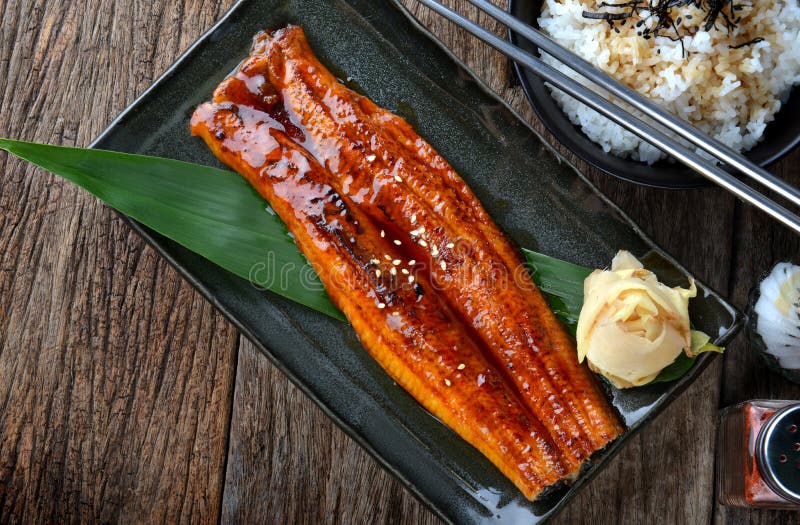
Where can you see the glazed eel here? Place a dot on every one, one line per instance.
(435, 291)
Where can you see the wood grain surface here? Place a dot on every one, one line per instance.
(125, 397)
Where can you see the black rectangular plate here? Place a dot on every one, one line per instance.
(541, 201)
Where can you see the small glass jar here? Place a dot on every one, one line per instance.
(758, 455)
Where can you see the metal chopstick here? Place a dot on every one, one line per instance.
(641, 103)
(623, 118)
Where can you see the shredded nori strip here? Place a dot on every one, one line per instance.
(665, 26)
(605, 16)
(745, 44)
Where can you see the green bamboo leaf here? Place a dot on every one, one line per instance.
(562, 284)
(218, 215)
(682, 364)
(212, 212)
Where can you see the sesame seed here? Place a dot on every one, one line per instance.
(434, 251)
(404, 271)
(396, 262)
(443, 265)
(393, 271)
(450, 245)
(381, 305)
(410, 278)
(413, 219)
(387, 256)
(447, 382)
(397, 242)
(412, 262)
(422, 229)
(398, 178)
(383, 233)
(414, 233)
(462, 366)
(395, 313)
(377, 273)
(370, 158)
(423, 243)
(374, 261)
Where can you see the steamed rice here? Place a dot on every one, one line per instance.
(729, 93)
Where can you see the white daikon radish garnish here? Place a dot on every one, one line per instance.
(778, 311)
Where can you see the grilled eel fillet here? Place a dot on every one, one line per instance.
(465, 331)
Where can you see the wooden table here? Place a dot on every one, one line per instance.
(124, 396)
